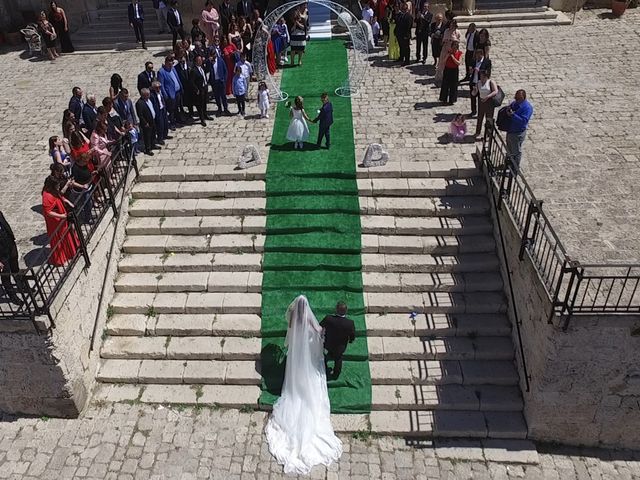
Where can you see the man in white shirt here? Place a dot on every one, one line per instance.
(160, 108)
(247, 69)
(147, 116)
(136, 21)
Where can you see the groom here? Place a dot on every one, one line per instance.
(325, 116)
(339, 331)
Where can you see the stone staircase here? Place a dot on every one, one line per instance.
(184, 324)
(111, 31)
(515, 17)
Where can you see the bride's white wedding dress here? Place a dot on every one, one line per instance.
(299, 431)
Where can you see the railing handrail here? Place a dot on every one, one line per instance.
(37, 287)
(566, 280)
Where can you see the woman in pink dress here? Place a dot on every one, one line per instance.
(62, 238)
(451, 34)
(210, 22)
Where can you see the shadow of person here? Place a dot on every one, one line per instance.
(273, 361)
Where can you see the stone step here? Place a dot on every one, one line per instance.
(247, 372)
(494, 17)
(248, 325)
(252, 282)
(450, 169)
(255, 243)
(240, 206)
(252, 262)
(406, 423)
(371, 224)
(250, 303)
(522, 22)
(240, 348)
(396, 187)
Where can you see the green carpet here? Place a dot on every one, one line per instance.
(313, 229)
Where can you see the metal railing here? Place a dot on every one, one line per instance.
(573, 287)
(36, 287)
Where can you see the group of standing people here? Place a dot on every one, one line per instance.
(54, 30)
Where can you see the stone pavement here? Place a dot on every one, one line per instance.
(582, 155)
(126, 442)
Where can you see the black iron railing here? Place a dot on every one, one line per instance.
(36, 287)
(573, 287)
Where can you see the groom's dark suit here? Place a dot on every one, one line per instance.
(339, 331)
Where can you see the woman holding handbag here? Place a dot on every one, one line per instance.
(486, 91)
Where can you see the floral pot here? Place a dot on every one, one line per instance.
(618, 7)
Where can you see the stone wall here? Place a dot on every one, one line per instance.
(585, 382)
(53, 373)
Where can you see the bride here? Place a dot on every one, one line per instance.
(299, 431)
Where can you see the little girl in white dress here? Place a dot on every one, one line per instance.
(263, 100)
(298, 130)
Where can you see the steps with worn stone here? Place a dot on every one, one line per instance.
(248, 348)
(250, 224)
(247, 372)
(255, 243)
(389, 325)
(396, 187)
(250, 303)
(403, 206)
(252, 282)
(253, 262)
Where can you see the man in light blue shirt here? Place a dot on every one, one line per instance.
(240, 90)
(171, 90)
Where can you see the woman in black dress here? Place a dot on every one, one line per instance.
(437, 32)
(59, 20)
(49, 36)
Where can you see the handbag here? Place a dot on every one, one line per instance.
(503, 120)
(498, 98)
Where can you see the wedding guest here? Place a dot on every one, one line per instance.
(404, 22)
(458, 128)
(471, 38)
(9, 262)
(146, 77)
(115, 85)
(451, 35)
(161, 14)
(176, 25)
(161, 118)
(234, 36)
(136, 21)
(115, 124)
(263, 100)
(298, 38)
(198, 82)
(196, 32)
(240, 90)
(423, 31)
(210, 21)
(437, 29)
(483, 42)
(244, 8)
(61, 24)
(451, 73)
(81, 192)
(382, 14)
(100, 146)
(59, 151)
(90, 113)
(48, 33)
(76, 104)
(124, 107)
(229, 54)
(484, 90)
(67, 118)
(226, 13)
(146, 116)
(325, 117)
(218, 79)
(481, 63)
(171, 90)
(519, 112)
(246, 33)
(62, 238)
(280, 38)
(79, 144)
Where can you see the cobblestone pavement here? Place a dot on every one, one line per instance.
(582, 155)
(145, 442)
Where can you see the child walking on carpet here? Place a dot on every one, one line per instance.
(298, 130)
(263, 100)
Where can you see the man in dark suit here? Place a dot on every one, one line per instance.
(226, 12)
(404, 22)
(147, 77)
(423, 31)
(245, 8)
(218, 78)
(182, 69)
(199, 88)
(160, 107)
(136, 21)
(338, 332)
(174, 20)
(124, 107)
(9, 260)
(481, 63)
(147, 116)
(76, 104)
(90, 113)
(325, 117)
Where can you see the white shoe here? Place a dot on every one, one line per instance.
(266, 116)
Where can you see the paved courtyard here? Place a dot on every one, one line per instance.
(125, 442)
(582, 155)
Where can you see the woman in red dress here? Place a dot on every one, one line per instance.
(271, 58)
(62, 239)
(229, 53)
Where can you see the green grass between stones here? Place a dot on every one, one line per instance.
(313, 228)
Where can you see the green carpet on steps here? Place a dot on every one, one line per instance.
(313, 229)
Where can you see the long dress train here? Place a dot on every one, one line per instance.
(299, 431)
